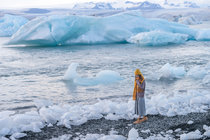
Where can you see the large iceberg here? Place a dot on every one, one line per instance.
(9, 24)
(71, 29)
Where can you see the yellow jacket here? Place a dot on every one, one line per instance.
(136, 87)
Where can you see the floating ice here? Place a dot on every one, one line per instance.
(191, 135)
(170, 72)
(157, 38)
(69, 30)
(9, 24)
(206, 80)
(103, 77)
(41, 103)
(197, 72)
(203, 35)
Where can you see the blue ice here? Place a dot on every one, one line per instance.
(9, 24)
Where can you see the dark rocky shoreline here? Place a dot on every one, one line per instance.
(157, 124)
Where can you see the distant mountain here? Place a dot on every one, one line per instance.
(92, 5)
(185, 4)
(103, 6)
(129, 5)
(37, 11)
(146, 5)
(86, 5)
(190, 4)
(134, 3)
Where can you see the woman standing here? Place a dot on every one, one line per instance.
(138, 96)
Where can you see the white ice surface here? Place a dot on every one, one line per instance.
(9, 24)
(103, 77)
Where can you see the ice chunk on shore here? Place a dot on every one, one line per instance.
(203, 35)
(190, 122)
(133, 134)
(9, 24)
(103, 77)
(68, 114)
(207, 129)
(191, 135)
(102, 137)
(158, 38)
(63, 137)
(170, 72)
(17, 135)
(118, 28)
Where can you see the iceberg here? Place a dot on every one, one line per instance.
(103, 77)
(72, 29)
(9, 24)
(157, 38)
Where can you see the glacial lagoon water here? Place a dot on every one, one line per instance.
(30, 73)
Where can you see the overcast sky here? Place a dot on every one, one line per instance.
(14, 4)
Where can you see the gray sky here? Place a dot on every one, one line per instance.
(14, 4)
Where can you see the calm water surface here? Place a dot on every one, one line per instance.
(29, 73)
